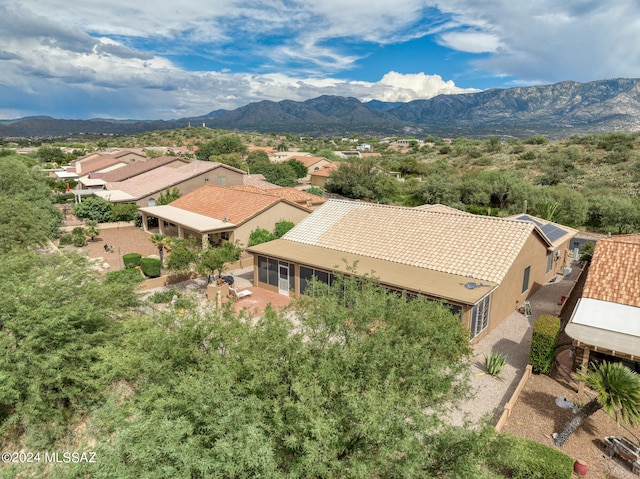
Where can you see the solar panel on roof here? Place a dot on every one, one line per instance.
(530, 219)
(553, 232)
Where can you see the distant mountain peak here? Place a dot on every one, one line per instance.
(559, 109)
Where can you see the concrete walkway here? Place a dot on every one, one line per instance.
(513, 338)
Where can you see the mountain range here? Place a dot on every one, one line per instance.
(556, 110)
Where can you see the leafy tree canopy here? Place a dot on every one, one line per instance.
(259, 236)
(93, 208)
(55, 316)
(169, 195)
(342, 392)
(298, 167)
(221, 145)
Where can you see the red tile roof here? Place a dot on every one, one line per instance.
(234, 205)
(614, 274)
(325, 171)
(291, 194)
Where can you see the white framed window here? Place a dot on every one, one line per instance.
(480, 316)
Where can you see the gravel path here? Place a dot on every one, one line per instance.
(513, 338)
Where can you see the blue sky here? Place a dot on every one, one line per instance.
(165, 59)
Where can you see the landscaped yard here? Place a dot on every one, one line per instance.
(536, 416)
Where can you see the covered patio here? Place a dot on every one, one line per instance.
(181, 223)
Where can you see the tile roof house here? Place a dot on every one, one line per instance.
(606, 318)
(145, 188)
(313, 163)
(482, 267)
(213, 214)
(95, 161)
(319, 178)
(137, 168)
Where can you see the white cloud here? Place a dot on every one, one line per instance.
(123, 59)
(549, 41)
(470, 41)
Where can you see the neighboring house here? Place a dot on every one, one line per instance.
(319, 178)
(145, 189)
(346, 155)
(95, 161)
(312, 163)
(134, 169)
(482, 267)
(213, 214)
(267, 149)
(291, 194)
(280, 156)
(606, 318)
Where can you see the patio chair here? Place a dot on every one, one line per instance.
(239, 294)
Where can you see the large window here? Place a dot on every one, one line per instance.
(525, 279)
(480, 316)
(268, 270)
(307, 273)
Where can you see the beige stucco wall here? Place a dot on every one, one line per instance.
(320, 181)
(509, 296)
(318, 165)
(267, 220)
(229, 177)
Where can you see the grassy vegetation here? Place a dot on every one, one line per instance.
(193, 394)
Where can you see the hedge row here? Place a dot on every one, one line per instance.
(525, 459)
(543, 343)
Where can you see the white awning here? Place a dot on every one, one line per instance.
(606, 325)
(192, 221)
(92, 181)
(114, 196)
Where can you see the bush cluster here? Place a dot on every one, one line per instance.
(151, 267)
(164, 296)
(543, 343)
(75, 238)
(131, 260)
(124, 276)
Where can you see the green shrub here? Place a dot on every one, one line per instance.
(124, 276)
(543, 343)
(131, 260)
(151, 267)
(182, 303)
(524, 459)
(66, 239)
(63, 198)
(79, 241)
(259, 236)
(124, 212)
(282, 227)
(164, 296)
